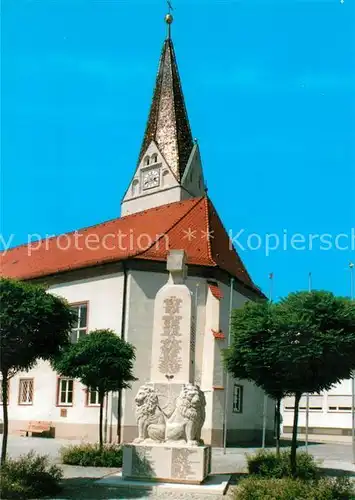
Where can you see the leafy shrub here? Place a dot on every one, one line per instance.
(255, 488)
(341, 488)
(90, 455)
(267, 464)
(30, 476)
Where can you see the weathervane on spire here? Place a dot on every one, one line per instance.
(169, 17)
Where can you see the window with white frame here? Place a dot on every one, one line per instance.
(237, 398)
(315, 403)
(339, 402)
(65, 391)
(25, 396)
(80, 327)
(93, 397)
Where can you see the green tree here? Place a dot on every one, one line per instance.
(317, 345)
(305, 343)
(102, 361)
(248, 356)
(33, 325)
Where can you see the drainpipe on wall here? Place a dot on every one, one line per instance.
(226, 389)
(123, 326)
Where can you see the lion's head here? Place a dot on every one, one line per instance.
(146, 401)
(191, 402)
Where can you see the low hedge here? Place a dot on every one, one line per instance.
(267, 464)
(257, 488)
(30, 476)
(90, 455)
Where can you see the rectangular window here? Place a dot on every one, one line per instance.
(92, 397)
(65, 391)
(26, 391)
(339, 402)
(80, 327)
(237, 398)
(315, 403)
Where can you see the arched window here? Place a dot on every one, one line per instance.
(135, 187)
(146, 160)
(165, 178)
(154, 158)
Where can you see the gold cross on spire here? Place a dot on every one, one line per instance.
(169, 18)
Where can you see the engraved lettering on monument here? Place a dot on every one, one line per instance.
(170, 361)
(181, 463)
(142, 464)
(193, 334)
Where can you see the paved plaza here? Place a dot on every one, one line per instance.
(337, 454)
(79, 481)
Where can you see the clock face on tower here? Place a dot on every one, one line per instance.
(151, 179)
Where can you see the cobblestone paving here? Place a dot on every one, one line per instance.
(79, 481)
(91, 492)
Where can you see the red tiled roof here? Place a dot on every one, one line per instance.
(215, 290)
(145, 235)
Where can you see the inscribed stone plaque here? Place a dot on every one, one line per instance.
(170, 361)
(171, 349)
(182, 459)
(162, 462)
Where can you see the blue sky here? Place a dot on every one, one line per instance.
(270, 91)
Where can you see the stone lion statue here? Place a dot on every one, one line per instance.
(187, 421)
(150, 418)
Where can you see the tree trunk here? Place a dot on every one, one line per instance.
(101, 400)
(4, 386)
(277, 419)
(294, 435)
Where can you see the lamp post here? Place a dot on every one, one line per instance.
(352, 296)
(263, 442)
(226, 389)
(307, 395)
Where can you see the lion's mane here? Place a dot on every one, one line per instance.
(191, 403)
(146, 402)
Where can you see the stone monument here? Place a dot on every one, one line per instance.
(170, 410)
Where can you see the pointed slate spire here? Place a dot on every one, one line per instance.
(168, 123)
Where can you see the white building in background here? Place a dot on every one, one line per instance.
(329, 412)
(110, 274)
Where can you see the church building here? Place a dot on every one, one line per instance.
(110, 274)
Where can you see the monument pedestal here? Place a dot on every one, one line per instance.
(177, 463)
(170, 410)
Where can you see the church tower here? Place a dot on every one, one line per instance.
(169, 165)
